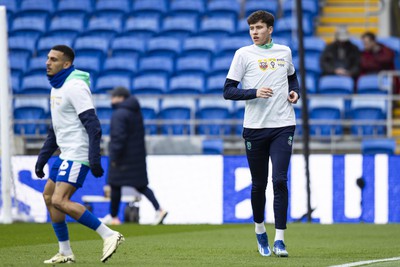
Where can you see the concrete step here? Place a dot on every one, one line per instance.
(396, 132)
(353, 2)
(353, 30)
(351, 10)
(396, 113)
(349, 20)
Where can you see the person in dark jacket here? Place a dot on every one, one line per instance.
(127, 152)
(341, 57)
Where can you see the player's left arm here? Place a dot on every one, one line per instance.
(294, 88)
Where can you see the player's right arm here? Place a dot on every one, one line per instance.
(48, 149)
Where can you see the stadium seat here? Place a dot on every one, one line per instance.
(157, 65)
(120, 65)
(215, 83)
(150, 108)
(104, 112)
(164, 46)
(107, 82)
(66, 27)
(18, 63)
(142, 27)
(42, 8)
(91, 64)
(74, 8)
(16, 81)
(106, 27)
(194, 8)
(149, 8)
(254, 5)
(193, 65)
(372, 111)
(221, 65)
(218, 27)
(92, 46)
(31, 27)
(333, 84)
(115, 9)
(199, 46)
(213, 146)
(30, 109)
(378, 146)
(287, 27)
(45, 44)
(228, 46)
(37, 65)
(311, 64)
(369, 84)
(126, 46)
(150, 84)
(223, 9)
(214, 109)
(11, 5)
(187, 84)
(308, 6)
(179, 27)
(326, 109)
(22, 45)
(313, 46)
(178, 112)
(311, 83)
(35, 84)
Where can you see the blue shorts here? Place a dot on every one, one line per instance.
(68, 171)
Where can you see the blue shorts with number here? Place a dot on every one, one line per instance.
(68, 171)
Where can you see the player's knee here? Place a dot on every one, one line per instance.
(47, 199)
(57, 202)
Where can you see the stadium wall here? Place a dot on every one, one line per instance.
(216, 189)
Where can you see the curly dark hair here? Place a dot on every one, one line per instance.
(262, 15)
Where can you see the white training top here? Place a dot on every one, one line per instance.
(67, 102)
(257, 67)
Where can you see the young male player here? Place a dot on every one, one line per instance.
(267, 74)
(75, 129)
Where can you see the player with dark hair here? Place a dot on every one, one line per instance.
(75, 129)
(270, 87)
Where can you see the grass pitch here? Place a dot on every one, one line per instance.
(205, 245)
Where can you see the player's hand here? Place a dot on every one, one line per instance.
(97, 170)
(264, 92)
(39, 170)
(293, 97)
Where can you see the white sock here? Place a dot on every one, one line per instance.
(65, 248)
(260, 228)
(104, 231)
(279, 234)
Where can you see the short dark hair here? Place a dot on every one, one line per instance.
(68, 52)
(369, 35)
(262, 15)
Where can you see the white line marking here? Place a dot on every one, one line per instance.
(359, 263)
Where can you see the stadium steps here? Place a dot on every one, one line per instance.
(358, 15)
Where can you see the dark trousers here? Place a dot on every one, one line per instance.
(261, 144)
(116, 198)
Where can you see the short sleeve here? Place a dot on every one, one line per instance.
(291, 68)
(80, 97)
(237, 68)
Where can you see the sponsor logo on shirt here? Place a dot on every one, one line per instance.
(55, 101)
(271, 63)
(262, 63)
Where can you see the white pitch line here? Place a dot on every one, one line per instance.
(359, 263)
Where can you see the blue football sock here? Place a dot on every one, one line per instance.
(89, 220)
(61, 231)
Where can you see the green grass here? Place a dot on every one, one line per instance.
(205, 245)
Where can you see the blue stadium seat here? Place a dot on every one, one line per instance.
(193, 65)
(42, 8)
(281, 41)
(214, 109)
(217, 27)
(178, 110)
(107, 82)
(238, 114)
(369, 84)
(104, 112)
(311, 83)
(150, 84)
(221, 65)
(150, 108)
(127, 46)
(372, 111)
(187, 84)
(199, 46)
(112, 9)
(242, 29)
(228, 46)
(179, 26)
(193, 8)
(31, 27)
(148, 8)
(393, 43)
(156, 65)
(215, 84)
(106, 27)
(35, 84)
(254, 5)
(11, 5)
(22, 45)
(91, 64)
(18, 63)
(313, 46)
(92, 46)
(37, 65)
(213, 146)
(74, 8)
(16, 81)
(32, 109)
(378, 146)
(333, 84)
(45, 44)
(223, 8)
(120, 65)
(326, 109)
(308, 6)
(142, 27)
(164, 46)
(287, 27)
(311, 64)
(67, 27)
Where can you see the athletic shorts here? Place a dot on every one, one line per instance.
(68, 171)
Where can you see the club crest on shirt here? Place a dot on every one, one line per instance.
(262, 63)
(272, 63)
